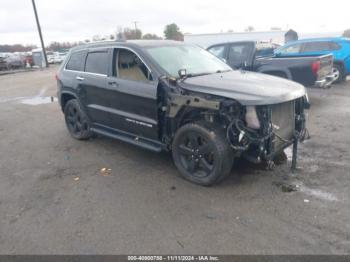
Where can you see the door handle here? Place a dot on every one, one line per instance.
(79, 78)
(113, 83)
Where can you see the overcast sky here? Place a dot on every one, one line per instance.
(73, 20)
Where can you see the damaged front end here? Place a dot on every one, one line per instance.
(259, 133)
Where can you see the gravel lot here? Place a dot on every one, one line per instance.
(54, 199)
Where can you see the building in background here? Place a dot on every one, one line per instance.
(276, 37)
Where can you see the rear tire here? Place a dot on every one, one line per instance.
(77, 122)
(338, 70)
(202, 154)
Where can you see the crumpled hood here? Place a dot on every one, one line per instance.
(248, 88)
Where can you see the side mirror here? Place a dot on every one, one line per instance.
(182, 73)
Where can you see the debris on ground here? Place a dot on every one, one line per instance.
(306, 200)
(76, 178)
(173, 188)
(285, 187)
(211, 216)
(105, 171)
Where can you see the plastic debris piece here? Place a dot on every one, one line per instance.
(76, 178)
(306, 200)
(105, 171)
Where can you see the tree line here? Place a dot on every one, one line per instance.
(171, 32)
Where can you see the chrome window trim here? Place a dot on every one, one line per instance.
(88, 73)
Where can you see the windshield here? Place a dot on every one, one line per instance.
(192, 58)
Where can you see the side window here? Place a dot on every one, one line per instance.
(217, 50)
(334, 46)
(264, 52)
(129, 66)
(97, 62)
(239, 54)
(291, 49)
(75, 61)
(316, 46)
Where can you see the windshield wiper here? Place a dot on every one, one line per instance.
(222, 71)
(202, 74)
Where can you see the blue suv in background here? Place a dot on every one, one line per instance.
(339, 47)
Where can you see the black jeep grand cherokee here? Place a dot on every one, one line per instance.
(167, 95)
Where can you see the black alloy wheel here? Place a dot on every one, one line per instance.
(201, 153)
(76, 120)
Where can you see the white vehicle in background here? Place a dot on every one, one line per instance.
(59, 57)
(50, 57)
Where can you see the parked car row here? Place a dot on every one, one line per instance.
(311, 62)
(10, 61)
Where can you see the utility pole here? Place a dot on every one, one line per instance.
(135, 22)
(40, 35)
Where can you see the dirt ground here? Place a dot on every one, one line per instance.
(54, 199)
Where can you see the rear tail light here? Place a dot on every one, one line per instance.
(315, 67)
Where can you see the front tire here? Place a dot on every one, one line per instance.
(201, 153)
(77, 122)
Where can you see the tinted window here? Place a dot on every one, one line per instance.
(291, 49)
(75, 61)
(130, 67)
(97, 62)
(217, 50)
(239, 54)
(316, 46)
(334, 46)
(264, 52)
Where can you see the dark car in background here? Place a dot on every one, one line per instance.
(3, 63)
(309, 70)
(339, 47)
(168, 95)
(14, 61)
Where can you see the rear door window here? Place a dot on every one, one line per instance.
(292, 49)
(76, 61)
(97, 62)
(334, 46)
(317, 46)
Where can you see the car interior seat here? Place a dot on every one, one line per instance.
(129, 67)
